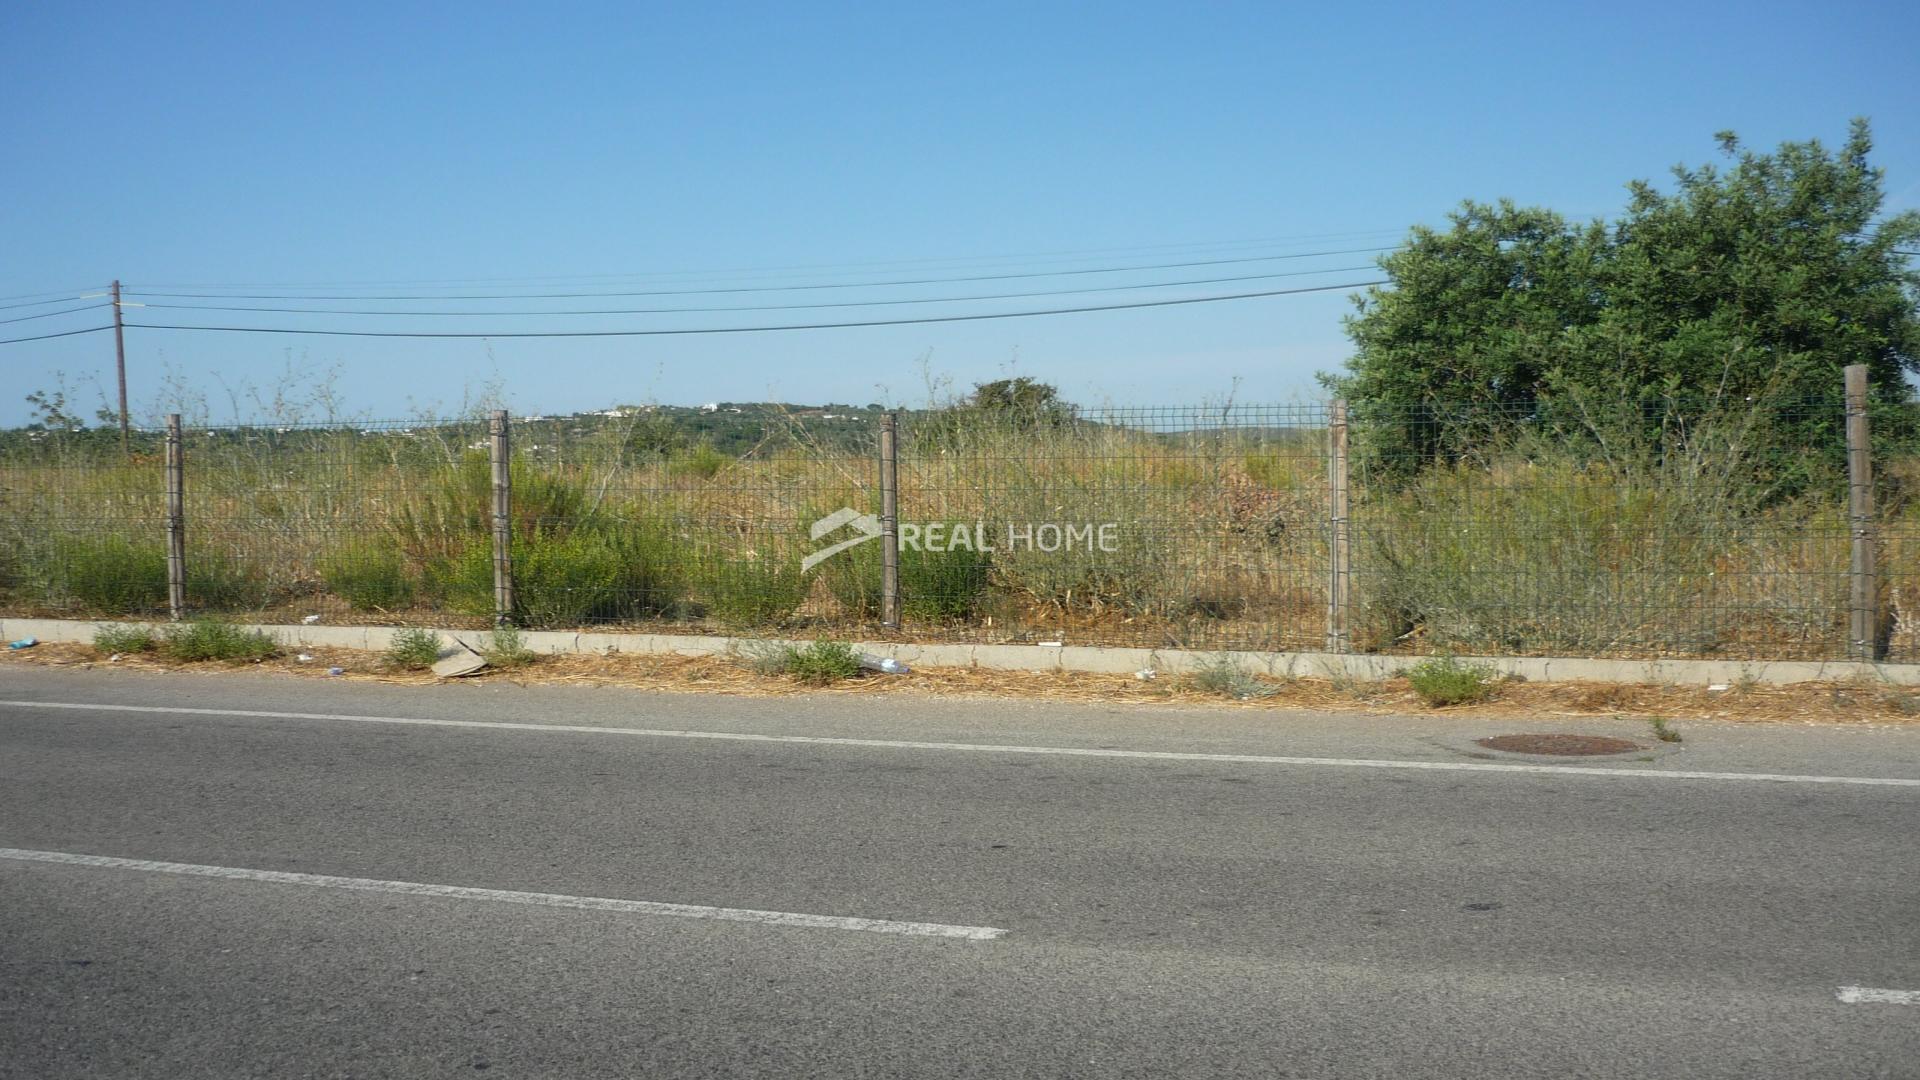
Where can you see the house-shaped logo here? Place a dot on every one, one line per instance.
(866, 525)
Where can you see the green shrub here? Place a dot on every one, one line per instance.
(652, 437)
(1543, 554)
(764, 657)
(413, 649)
(12, 573)
(943, 584)
(463, 582)
(605, 574)
(1135, 577)
(815, 664)
(109, 575)
(753, 590)
(115, 576)
(1273, 469)
(457, 513)
(853, 577)
(215, 639)
(1443, 680)
(123, 638)
(823, 662)
(223, 582)
(933, 584)
(703, 462)
(369, 577)
(506, 648)
(595, 576)
(1226, 676)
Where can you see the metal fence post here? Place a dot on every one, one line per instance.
(1340, 542)
(889, 520)
(1863, 630)
(501, 453)
(176, 520)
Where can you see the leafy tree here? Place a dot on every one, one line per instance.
(1023, 400)
(655, 435)
(52, 413)
(1754, 283)
(1017, 406)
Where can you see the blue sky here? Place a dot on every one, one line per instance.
(637, 147)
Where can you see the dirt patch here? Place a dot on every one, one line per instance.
(1857, 702)
(1559, 744)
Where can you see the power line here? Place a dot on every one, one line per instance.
(776, 288)
(57, 294)
(65, 298)
(63, 333)
(775, 307)
(1079, 254)
(51, 314)
(755, 329)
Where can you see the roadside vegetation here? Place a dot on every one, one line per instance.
(1537, 545)
(818, 663)
(1602, 463)
(1659, 705)
(215, 639)
(506, 649)
(1663, 730)
(412, 649)
(1445, 680)
(1227, 676)
(123, 639)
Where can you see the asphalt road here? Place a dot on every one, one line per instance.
(1377, 911)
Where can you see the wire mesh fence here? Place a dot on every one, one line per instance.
(1894, 530)
(1180, 527)
(1663, 530)
(1667, 529)
(81, 526)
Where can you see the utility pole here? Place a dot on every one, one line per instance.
(120, 365)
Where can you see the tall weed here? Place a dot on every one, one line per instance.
(369, 577)
(457, 509)
(752, 589)
(1599, 530)
(107, 575)
(934, 585)
(611, 572)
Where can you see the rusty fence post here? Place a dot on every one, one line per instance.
(501, 453)
(889, 520)
(1863, 625)
(1340, 539)
(176, 520)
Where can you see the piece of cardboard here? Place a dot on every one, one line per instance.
(457, 661)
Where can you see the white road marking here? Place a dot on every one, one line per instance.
(994, 748)
(501, 896)
(1867, 995)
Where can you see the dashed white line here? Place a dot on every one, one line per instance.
(502, 896)
(994, 748)
(1867, 995)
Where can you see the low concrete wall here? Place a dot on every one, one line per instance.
(1089, 658)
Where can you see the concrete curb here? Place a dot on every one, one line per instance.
(1090, 659)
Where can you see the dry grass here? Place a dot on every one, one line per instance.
(1843, 703)
(1212, 554)
(1225, 539)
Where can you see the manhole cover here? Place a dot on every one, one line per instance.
(1559, 745)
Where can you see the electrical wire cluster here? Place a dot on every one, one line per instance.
(925, 291)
